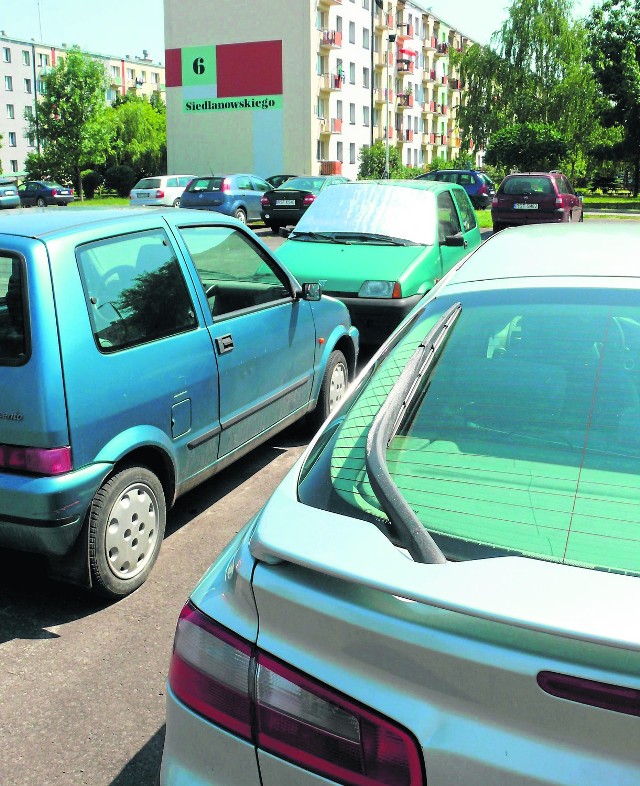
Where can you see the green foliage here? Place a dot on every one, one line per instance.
(373, 162)
(140, 135)
(121, 179)
(91, 180)
(527, 147)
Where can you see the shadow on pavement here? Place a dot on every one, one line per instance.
(143, 769)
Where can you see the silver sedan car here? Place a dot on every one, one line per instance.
(445, 589)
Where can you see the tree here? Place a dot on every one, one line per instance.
(139, 129)
(68, 118)
(373, 162)
(528, 147)
(614, 30)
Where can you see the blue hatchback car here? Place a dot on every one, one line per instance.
(141, 351)
(478, 185)
(234, 195)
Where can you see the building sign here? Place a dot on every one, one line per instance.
(227, 77)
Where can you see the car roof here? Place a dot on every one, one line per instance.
(543, 253)
(421, 185)
(47, 223)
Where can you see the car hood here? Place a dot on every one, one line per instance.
(343, 267)
(570, 602)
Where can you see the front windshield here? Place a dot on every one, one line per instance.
(372, 208)
(524, 439)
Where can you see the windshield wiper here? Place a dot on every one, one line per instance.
(322, 237)
(372, 237)
(412, 534)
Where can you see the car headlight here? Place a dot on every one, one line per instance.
(380, 289)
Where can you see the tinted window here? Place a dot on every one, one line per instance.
(260, 185)
(243, 183)
(205, 184)
(135, 290)
(466, 209)
(149, 182)
(235, 274)
(13, 334)
(527, 185)
(466, 179)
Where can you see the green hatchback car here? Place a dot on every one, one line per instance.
(379, 246)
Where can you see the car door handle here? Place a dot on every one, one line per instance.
(224, 344)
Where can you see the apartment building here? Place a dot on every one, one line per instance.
(23, 65)
(302, 85)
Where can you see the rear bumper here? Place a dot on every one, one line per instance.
(377, 318)
(44, 515)
(513, 218)
(281, 217)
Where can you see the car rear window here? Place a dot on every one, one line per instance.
(313, 184)
(205, 184)
(13, 332)
(524, 439)
(149, 182)
(527, 185)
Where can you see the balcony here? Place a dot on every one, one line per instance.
(382, 21)
(405, 99)
(405, 30)
(383, 59)
(441, 139)
(430, 43)
(329, 83)
(455, 84)
(330, 126)
(329, 2)
(442, 49)
(380, 95)
(405, 66)
(330, 39)
(428, 75)
(444, 79)
(408, 135)
(384, 133)
(331, 167)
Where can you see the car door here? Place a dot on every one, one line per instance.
(28, 193)
(259, 187)
(263, 337)
(449, 224)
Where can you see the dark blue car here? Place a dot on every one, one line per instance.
(478, 185)
(44, 192)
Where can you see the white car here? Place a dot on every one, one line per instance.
(445, 589)
(164, 190)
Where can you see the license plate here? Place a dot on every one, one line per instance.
(9, 192)
(526, 206)
(63, 192)
(285, 202)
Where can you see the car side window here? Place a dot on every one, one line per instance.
(172, 182)
(260, 185)
(243, 184)
(448, 221)
(135, 290)
(234, 273)
(465, 209)
(466, 179)
(13, 331)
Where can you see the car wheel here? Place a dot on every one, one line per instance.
(275, 228)
(176, 202)
(241, 215)
(497, 226)
(126, 527)
(40, 202)
(333, 387)
(581, 216)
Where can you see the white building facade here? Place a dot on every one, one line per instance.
(300, 86)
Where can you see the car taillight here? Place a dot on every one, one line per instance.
(54, 191)
(308, 199)
(494, 201)
(482, 189)
(42, 461)
(159, 193)
(231, 683)
(225, 185)
(265, 201)
(559, 202)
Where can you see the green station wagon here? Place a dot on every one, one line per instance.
(379, 246)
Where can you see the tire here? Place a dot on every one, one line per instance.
(241, 215)
(176, 202)
(497, 226)
(126, 527)
(333, 387)
(41, 202)
(275, 228)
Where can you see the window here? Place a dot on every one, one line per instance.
(352, 73)
(352, 114)
(365, 38)
(233, 271)
(365, 77)
(155, 78)
(115, 71)
(10, 111)
(365, 4)
(6, 54)
(28, 111)
(13, 164)
(135, 290)
(13, 329)
(130, 74)
(339, 110)
(26, 57)
(319, 65)
(41, 85)
(352, 153)
(339, 154)
(31, 140)
(143, 76)
(466, 209)
(339, 24)
(27, 86)
(365, 115)
(320, 21)
(448, 221)
(352, 32)
(8, 83)
(43, 60)
(12, 138)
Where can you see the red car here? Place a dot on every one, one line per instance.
(535, 198)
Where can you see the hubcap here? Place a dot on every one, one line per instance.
(338, 385)
(241, 217)
(131, 531)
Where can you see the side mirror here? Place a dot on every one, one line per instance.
(456, 240)
(312, 292)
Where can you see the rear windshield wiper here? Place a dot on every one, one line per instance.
(322, 237)
(411, 532)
